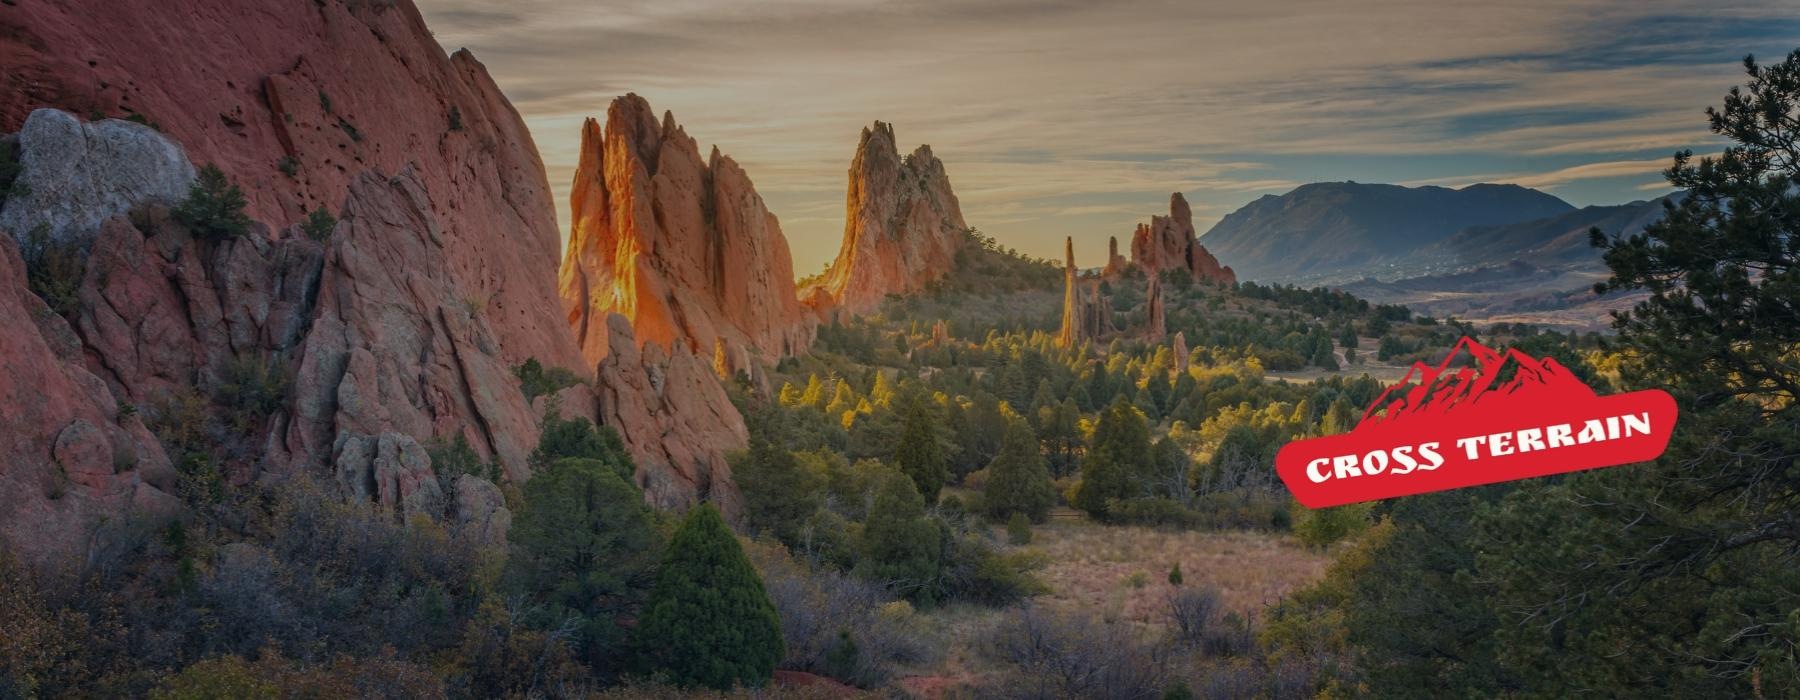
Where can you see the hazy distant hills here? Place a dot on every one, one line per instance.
(1331, 229)
(1488, 252)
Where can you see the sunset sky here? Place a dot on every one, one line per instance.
(1079, 118)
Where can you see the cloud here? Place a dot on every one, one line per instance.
(1059, 118)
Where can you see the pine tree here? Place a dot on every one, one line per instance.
(214, 208)
(1116, 461)
(779, 493)
(709, 621)
(918, 455)
(899, 544)
(1018, 480)
(585, 544)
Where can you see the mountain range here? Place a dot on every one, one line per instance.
(1488, 252)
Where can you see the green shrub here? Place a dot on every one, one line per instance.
(9, 170)
(288, 166)
(252, 390)
(709, 621)
(214, 208)
(536, 380)
(455, 457)
(1018, 530)
(319, 224)
(54, 270)
(1321, 527)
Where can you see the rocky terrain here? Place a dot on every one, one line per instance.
(1168, 243)
(681, 246)
(902, 227)
(346, 350)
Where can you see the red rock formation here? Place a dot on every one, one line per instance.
(1168, 243)
(325, 90)
(1115, 263)
(72, 455)
(1181, 353)
(402, 327)
(1086, 315)
(674, 417)
(1154, 326)
(682, 247)
(902, 229)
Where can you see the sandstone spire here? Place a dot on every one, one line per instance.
(1153, 301)
(682, 247)
(1168, 243)
(902, 229)
(1086, 315)
(1115, 263)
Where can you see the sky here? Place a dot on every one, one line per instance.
(1060, 118)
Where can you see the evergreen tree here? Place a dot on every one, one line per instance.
(214, 208)
(1116, 460)
(779, 493)
(918, 454)
(709, 621)
(1018, 481)
(584, 543)
(900, 546)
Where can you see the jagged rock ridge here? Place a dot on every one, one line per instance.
(1168, 243)
(902, 229)
(683, 247)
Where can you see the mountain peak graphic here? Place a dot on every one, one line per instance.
(1507, 377)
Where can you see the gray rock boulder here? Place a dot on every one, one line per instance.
(78, 175)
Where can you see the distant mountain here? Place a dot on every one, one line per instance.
(1337, 228)
(1547, 242)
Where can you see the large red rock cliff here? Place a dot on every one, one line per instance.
(681, 246)
(1169, 243)
(295, 101)
(400, 327)
(902, 229)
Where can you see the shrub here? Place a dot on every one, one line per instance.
(288, 166)
(537, 381)
(53, 270)
(819, 608)
(319, 224)
(709, 621)
(1321, 527)
(455, 457)
(1192, 613)
(1045, 656)
(252, 390)
(1018, 530)
(214, 208)
(9, 170)
(456, 119)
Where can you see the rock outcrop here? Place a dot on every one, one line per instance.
(1179, 348)
(1115, 263)
(1086, 315)
(76, 176)
(683, 247)
(397, 345)
(74, 452)
(902, 229)
(674, 417)
(1169, 243)
(400, 326)
(295, 101)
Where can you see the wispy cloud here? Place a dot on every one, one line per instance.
(1065, 118)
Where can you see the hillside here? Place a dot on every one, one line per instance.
(1337, 227)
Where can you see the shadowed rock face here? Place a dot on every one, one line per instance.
(325, 91)
(682, 247)
(72, 455)
(902, 230)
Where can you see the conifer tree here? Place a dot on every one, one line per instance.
(1018, 480)
(900, 545)
(709, 621)
(918, 455)
(1118, 458)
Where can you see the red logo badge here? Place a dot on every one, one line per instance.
(1511, 416)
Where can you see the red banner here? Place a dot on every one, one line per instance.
(1510, 416)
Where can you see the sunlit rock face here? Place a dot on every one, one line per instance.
(1168, 243)
(1086, 314)
(902, 230)
(681, 246)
